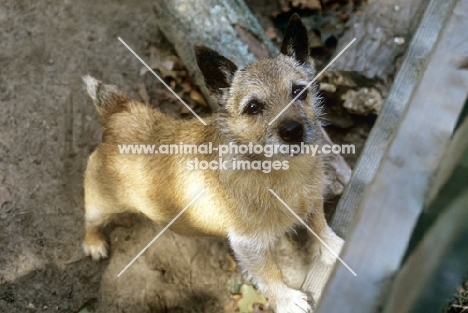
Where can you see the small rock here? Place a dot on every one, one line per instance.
(307, 4)
(250, 296)
(271, 33)
(96, 138)
(399, 40)
(327, 87)
(198, 98)
(143, 93)
(5, 195)
(364, 101)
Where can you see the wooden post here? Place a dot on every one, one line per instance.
(403, 151)
(395, 106)
(438, 261)
(383, 32)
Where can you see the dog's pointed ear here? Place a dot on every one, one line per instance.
(295, 43)
(217, 70)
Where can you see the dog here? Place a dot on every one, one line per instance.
(234, 204)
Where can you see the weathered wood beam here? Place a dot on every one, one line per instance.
(437, 266)
(395, 106)
(383, 31)
(401, 156)
(438, 261)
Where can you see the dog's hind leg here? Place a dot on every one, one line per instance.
(94, 244)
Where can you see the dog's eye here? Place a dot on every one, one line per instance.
(296, 90)
(253, 107)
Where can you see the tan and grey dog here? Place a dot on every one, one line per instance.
(236, 204)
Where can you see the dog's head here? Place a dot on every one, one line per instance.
(254, 100)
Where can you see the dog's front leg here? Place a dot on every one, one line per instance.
(257, 259)
(327, 248)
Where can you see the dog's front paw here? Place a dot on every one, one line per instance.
(335, 244)
(293, 301)
(97, 250)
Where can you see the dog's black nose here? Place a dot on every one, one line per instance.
(291, 132)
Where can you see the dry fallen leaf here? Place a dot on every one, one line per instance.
(168, 64)
(96, 138)
(186, 87)
(178, 64)
(143, 71)
(271, 33)
(183, 109)
(198, 98)
(167, 74)
(307, 4)
(164, 65)
(231, 307)
(363, 101)
(260, 308)
(236, 297)
(163, 94)
(154, 58)
(143, 93)
(284, 4)
(250, 297)
(172, 69)
(123, 220)
(232, 263)
(5, 195)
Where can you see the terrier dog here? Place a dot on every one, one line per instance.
(235, 204)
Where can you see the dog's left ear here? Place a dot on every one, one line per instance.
(295, 42)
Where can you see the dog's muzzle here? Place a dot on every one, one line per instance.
(292, 132)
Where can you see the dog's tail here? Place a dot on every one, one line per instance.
(108, 99)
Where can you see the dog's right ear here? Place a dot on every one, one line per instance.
(217, 70)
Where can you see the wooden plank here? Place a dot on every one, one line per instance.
(452, 170)
(394, 200)
(374, 52)
(437, 266)
(450, 179)
(396, 104)
(439, 260)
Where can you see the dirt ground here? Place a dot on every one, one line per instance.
(46, 134)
